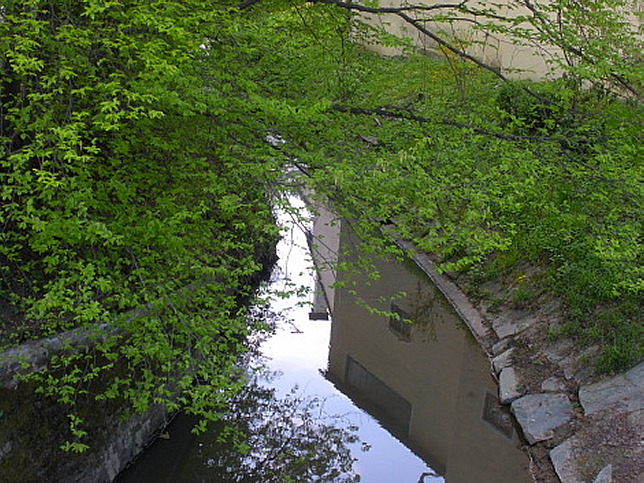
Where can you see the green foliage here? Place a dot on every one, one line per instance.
(532, 109)
(136, 182)
(619, 327)
(540, 173)
(132, 195)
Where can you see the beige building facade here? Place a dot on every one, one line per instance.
(526, 58)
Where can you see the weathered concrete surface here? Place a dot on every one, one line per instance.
(34, 355)
(34, 426)
(624, 392)
(540, 414)
(128, 439)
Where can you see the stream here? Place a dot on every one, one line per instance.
(346, 389)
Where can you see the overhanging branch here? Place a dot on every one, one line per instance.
(407, 115)
(402, 12)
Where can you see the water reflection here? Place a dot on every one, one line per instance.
(410, 362)
(290, 423)
(336, 379)
(263, 439)
(270, 439)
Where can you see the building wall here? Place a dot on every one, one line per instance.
(498, 51)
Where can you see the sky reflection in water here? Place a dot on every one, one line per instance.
(299, 423)
(300, 350)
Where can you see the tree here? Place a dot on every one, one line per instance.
(137, 183)
(485, 174)
(128, 179)
(595, 42)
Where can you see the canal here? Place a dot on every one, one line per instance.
(369, 379)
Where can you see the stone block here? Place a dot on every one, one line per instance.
(540, 414)
(509, 387)
(605, 475)
(502, 361)
(563, 459)
(624, 391)
(553, 384)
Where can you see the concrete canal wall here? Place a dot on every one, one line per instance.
(33, 427)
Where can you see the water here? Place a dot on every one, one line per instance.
(362, 395)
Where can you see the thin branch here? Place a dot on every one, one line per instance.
(394, 10)
(400, 12)
(405, 114)
(566, 47)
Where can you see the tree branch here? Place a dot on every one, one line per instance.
(405, 114)
(395, 10)
(417, 24)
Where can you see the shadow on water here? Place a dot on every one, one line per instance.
(405, 381)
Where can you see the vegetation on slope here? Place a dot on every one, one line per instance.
(486, 178)
(137, 184)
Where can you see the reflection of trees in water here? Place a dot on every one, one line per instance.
(428, 306)
(266, 439)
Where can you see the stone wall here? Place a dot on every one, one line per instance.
(33, 427)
